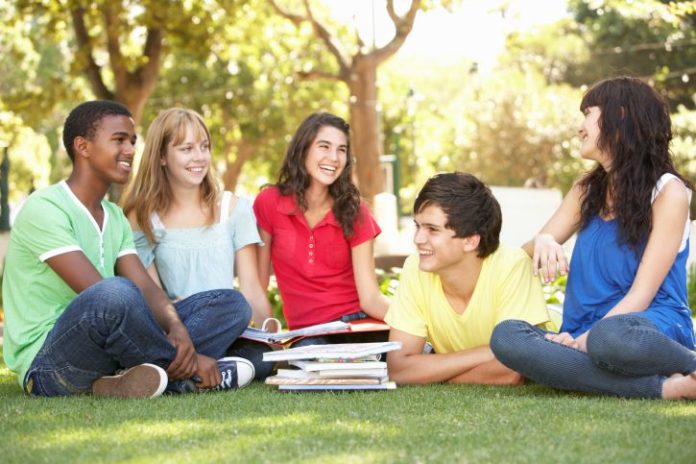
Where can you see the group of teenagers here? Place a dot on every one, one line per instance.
(141, 300)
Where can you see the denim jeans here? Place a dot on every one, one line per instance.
(626, 356)
(253, 351)
(109, 326)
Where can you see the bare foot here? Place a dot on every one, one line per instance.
(680, 387)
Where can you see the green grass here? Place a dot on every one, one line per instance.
(439, 423)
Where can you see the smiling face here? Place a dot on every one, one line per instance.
(326, 156)
(187, 160)
(438, 248)
(589, 133)
(109, 152)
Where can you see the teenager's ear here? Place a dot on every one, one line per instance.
(471, 243)
(80, 147)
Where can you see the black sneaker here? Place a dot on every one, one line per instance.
(142, 381)
(236, 372)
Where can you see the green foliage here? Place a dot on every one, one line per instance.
(648, 38)
(388, 280)
(554, 292)
(276, 302)
(691, 287)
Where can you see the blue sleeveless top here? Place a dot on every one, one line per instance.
(602, 271)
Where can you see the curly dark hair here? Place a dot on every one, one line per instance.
(85, 118)
(294, 179)
(635, 130)
(470, 207)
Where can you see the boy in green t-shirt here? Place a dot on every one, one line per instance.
(71, 326)
(458, 287)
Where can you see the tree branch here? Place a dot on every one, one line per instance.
(149, 71)
(329, 41)
(403, 26)
(113, 43)
(92, 69)
(295, 18)
(314, 74)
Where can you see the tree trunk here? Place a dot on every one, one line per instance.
(365, 128)
(245, 150)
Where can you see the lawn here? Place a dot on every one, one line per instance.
(441, 423)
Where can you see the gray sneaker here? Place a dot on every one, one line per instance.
(141, 381)
(236, 372)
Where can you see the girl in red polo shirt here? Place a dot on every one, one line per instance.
(317, 233)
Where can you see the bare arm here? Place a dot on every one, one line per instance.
(477, 365)
(75, 269)
(545, 248)
(250, 285)
(372, 301)
(670, 212)
(264, 258)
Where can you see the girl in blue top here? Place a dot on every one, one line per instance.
(627, 328)
(190, 236)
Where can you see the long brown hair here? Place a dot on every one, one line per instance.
(150, 191)
(635, 129)
(294, 179)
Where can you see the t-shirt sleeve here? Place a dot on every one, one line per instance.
(520, 295)
(45, 229)
(244, 224)
(146, 252)
(365, 228)
(405, 312)
(265, 201)
(127, 246)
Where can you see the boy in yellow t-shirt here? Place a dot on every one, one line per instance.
(458, 287)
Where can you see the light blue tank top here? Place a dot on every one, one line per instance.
(602, 271)
(202, 258)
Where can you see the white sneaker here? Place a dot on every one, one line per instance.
(141, 381)
(236, 372)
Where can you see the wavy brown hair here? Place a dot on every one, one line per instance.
(635, 130)
(150, 191)
(294, 179)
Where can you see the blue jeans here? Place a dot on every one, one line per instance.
(626, 356)
(109, 326)
(253, 351)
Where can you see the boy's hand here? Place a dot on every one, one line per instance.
(208, 372)
(185, 363)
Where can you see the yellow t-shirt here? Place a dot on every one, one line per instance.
(506, 289)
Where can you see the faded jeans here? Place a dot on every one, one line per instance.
(626, 356)
(109, 326)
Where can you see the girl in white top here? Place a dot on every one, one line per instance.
(190, 236)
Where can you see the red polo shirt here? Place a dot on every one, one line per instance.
(313, 267)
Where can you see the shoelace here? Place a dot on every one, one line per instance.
(227, 379)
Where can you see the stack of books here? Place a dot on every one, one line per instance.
(342, 366)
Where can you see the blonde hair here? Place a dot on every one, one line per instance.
(150, 191)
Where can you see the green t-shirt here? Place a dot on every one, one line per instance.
(52, 222)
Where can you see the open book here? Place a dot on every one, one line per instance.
(284, 337)
(333, 353)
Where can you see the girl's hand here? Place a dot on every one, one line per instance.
(548, 257)
(563, 338)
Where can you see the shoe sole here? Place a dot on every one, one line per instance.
(142, 381)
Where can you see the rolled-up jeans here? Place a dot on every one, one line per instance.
(626, 356)
(109, 326)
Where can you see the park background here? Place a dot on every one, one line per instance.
(490, 87)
